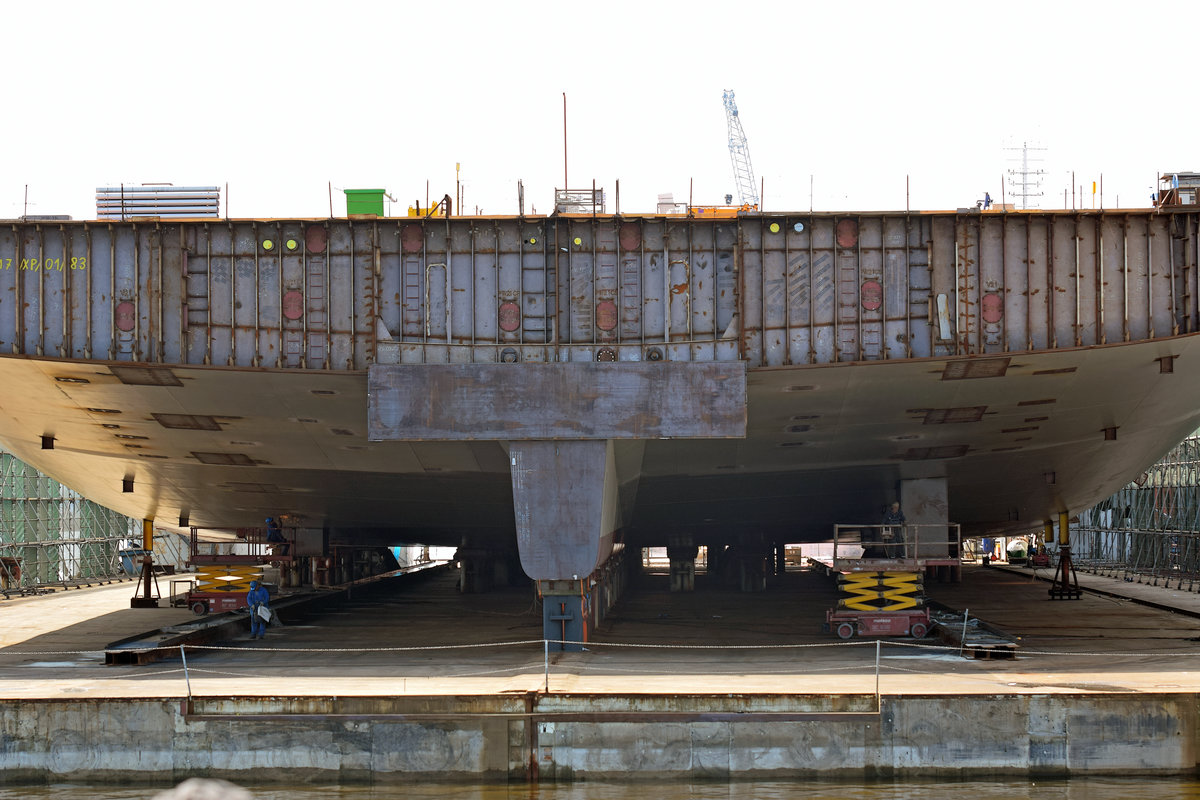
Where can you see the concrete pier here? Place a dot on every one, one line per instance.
(752, 690)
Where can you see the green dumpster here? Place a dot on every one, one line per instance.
(364, 201)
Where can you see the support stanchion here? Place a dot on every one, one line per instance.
(1065, 585)
(186, 679)
(546, 662)
(962, 642)
(878, 705)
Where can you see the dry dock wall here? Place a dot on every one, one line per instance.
(568, 738)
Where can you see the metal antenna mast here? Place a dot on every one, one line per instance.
(739, 154)
(1025, 182)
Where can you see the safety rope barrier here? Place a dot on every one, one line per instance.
(592, 646)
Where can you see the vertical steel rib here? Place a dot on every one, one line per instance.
(666, 303)
(233, 296)
(764, 312)
(372, 312)
(957, 292)
(1125, 279)
(112, 292)
(559, 331)
(858, 279)
(1004, 348)
(593, 232)
(67, 309)
(691, 259)
(41, 279)
(908, 332)
(183, 297)
(739, 278)
(1150, 276)
(19, 299)
(835, 272)
(208, 301)
(137, 294)
(1051, 288)
(1079, 308)
(1028, 284)
(279, 354)
(88, 300)
(256, 359)
(812, 289)
(619, 280)
(499, 333)
(353, 288)
(1171, 285)
(306, 306)
(978, 267)
(328, 297)
(1101, 333)
(471, 284)
(157, 333)
(787, 296)
(641, 284)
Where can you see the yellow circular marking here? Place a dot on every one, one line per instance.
(268, 244)
(291, 244)
(532, 240)
(578, 241)
(774, 227)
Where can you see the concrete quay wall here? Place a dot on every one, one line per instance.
(589, 737)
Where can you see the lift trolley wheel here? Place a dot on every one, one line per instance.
(199, 608)
(845, 630)
(918, 630)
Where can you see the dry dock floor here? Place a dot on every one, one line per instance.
(1122, 637)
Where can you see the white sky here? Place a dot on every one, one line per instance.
(277, 100)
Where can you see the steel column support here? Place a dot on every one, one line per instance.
(148, 584)
(1066, 583)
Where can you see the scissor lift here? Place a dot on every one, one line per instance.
(883, 579)
(222, 581)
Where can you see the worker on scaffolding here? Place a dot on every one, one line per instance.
(893, 531)
(276, 538)
(258, 599)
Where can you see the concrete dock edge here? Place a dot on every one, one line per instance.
(565, 738)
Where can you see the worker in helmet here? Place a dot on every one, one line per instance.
(258, 600)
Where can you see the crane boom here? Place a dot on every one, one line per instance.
(739, 154)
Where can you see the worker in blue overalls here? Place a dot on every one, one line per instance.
(258, 598)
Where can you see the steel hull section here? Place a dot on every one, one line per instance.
(1017, 438)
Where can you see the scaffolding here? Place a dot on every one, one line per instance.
(1149, 531)
(51, 537)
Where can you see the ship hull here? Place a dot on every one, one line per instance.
(213, 373)
(824, 444)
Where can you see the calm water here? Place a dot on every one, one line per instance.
(1079, 789)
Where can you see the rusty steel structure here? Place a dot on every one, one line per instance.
(989, 369)
(770, 290)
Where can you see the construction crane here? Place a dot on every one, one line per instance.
(739, 154)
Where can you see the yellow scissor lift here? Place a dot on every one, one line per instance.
(880, 569)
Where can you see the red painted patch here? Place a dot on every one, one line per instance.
(606, 315)
(293, 304)
(412, 238)
(847, 233)
(993, 307)
(631, 236)
(314, 238)
(509, 315)
(126, 316)
(872, 295)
